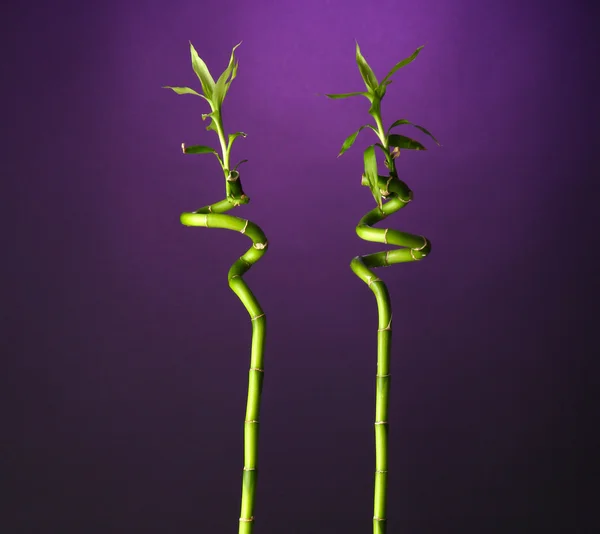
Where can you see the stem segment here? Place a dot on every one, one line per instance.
(415, 248)
(213, 217)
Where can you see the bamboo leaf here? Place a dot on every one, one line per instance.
(214, 117)
(224, 81)
(399, 122)
(403, 63)
(371, 173)
(201, 70)
(365, 71)
(197, 149)
(404, 142)
(233, 136)
(182, 90)
(351, 138)
(375, 109)
(382, 89)
(346, 95)
(243, 161)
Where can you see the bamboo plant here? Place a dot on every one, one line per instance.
(390, 194)
(212, 216)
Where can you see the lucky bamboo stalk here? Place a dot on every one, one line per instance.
(396, 194)
(212, 216)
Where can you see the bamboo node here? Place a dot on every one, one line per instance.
(406, 200)
(388, 327)
(256, 369)
(251, 421)
(246, 262)
(381, 471)
(247, 520)
(379, 518)
(382, 376)
(412, 253)
(243, 230)
(258, 316)
(424, 243)
(210, 209)
(260, 246)
(249, 468)
(372, 280)
(385, 237)
(381, 422)
(235, 276)
(387, 261)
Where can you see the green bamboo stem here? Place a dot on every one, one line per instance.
(416, 248)
(212, 216)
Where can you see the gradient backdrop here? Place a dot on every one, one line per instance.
(126, 353)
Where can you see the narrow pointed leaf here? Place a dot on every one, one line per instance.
(371, 173)
(404, 142)
(365, 71)
(224, 82)
(233, 136)
(201, 70)
(382, 89)
(182, 90)
(346, 95)
(185, 91)
(214, 117)
(198, 149)
(243, 161)
(375, 109)
(403, 63)
(399, 122)
(351, 138)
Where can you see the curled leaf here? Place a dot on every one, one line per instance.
(233, 136)
(243, 161)
(371, 173)
(214, 116)
(401, 141)
(399, 122)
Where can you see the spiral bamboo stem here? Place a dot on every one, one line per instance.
(415, 247)
(212, 216)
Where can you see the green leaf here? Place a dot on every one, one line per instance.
(346, 95)
(382, 148)
(371, 173)
(214, 117)
(185, 91)
(375, 109)
(381, 90)
(232, 138)
(404, 121)
(403, 63)
(197, 149)
(365, 71)
(201, 70)
(243, 161)
(223, 83)
(351, 138)
(404, 142)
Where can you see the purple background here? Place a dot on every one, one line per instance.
(127, 353)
